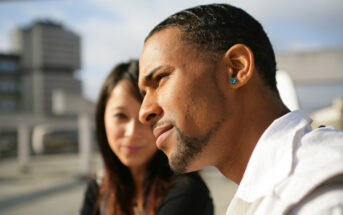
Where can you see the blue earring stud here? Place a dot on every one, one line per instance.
(233, 81)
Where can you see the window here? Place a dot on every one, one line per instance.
(7, 105)
(8, 86)
(8, 66)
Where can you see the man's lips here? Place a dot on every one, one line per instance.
(160, 132)
(161, 129)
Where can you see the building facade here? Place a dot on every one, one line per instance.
(45, 59)
(50, 57)
(10, 83)
(317, 74)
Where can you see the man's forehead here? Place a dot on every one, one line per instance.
(144, 68)
(144, 73)
(167, 38)
(157, 48)
(165, 34)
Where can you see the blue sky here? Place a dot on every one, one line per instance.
(113, 30)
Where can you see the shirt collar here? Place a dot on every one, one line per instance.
(271, 160)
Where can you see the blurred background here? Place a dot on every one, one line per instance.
(55, 54)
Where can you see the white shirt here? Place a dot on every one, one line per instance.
(290, 169)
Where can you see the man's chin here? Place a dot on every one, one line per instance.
(177, 165)
(181, 165)
(178, 171)
(182, 169)
(184, 165)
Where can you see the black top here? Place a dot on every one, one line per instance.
(187, 196)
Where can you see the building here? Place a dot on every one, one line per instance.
(49, 59)
(38, 84)
(317, 75)
(10, 83)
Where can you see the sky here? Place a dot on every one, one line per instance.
(113, 31)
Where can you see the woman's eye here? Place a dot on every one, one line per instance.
(120, 116)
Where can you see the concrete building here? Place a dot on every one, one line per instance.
(313, 67)
(50, 58)
(41, 105)
(317, 75)
(9, 83)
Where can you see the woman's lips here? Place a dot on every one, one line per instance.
(161, 134)
(133, 149)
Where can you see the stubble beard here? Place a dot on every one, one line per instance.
(187, 148)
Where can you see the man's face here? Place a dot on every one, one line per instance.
(183, 101)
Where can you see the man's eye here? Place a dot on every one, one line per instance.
(143, 93)
(160, 77)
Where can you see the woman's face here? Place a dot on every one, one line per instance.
(131, 141)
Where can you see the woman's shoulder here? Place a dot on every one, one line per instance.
(96, 180)
(92, 192)
(190, 182)
(188, 195)
(90, 197)
(92, 186)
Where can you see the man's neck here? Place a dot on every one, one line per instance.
(236, 150)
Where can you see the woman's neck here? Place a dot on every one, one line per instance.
(138, 174)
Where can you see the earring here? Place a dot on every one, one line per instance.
(233, 81)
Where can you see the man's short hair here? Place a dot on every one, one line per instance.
(214, 28)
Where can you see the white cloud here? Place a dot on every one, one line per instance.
(115, 30)
(92, 82)
(269, 11)
(109, 41)
(7, 27)
(26, 13)
(4, 43)
(50, 11)
(300, 46)
(104, 44)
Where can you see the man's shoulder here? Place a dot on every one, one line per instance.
(316, 163)
(315, 158)
(327, 198)
(318, 153)
(324, 136)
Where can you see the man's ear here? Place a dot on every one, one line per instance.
(240, 62)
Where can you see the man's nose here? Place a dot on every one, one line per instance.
(150, 111)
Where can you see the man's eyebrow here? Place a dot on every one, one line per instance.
(149, 76)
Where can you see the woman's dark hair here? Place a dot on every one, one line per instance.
(117, 190)
(215, 28)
